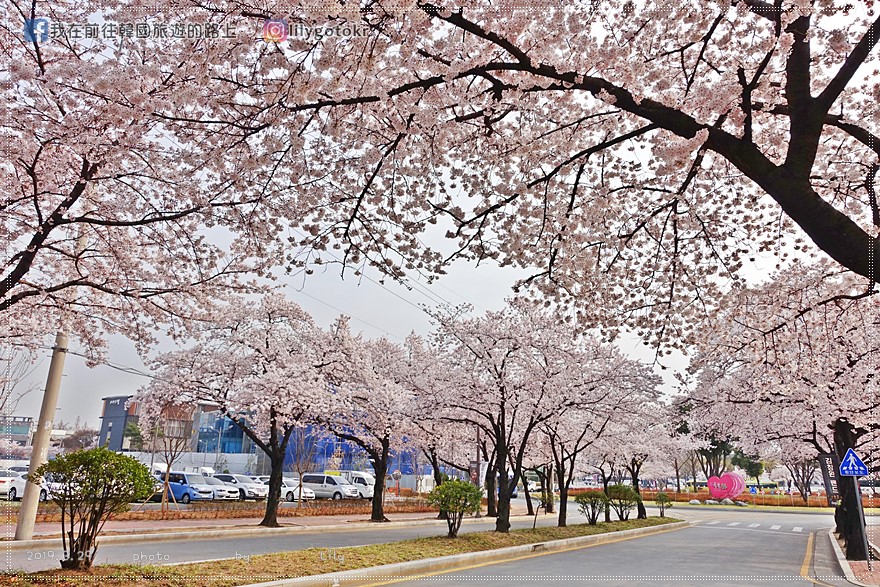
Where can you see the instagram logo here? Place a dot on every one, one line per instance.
(275, 30)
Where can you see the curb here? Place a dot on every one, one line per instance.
(445, 564)
(224, 532)
(841, 560)
(844, 564)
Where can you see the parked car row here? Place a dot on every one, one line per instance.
(186, 487)
(12, 485)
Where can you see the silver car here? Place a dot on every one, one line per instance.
(330, 486)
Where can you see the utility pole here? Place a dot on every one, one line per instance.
(27, 514)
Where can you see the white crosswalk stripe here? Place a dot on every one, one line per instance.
(734, 524)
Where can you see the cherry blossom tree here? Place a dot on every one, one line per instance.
(369, 400)
(439, 441)
(17, 363)
(111, 221)
(259, 362)
(647, 440)
(799, 459)
(626, 390)
(169, 428)
(604, 457)
(514, 370)
(679, 450)
(635, 157)
(797, 358)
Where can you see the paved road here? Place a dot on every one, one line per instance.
(737, 536)
(736, 551)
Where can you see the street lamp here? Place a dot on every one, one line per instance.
(205, 453)
(219, 431)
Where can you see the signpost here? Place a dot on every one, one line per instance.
(829, 465)
(852, 466)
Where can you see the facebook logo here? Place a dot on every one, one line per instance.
(36, 30)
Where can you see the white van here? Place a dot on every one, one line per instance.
(363, 481)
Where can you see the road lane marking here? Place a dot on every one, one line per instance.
(775, 527)
(754, 525)
(741, 529)
(713, 522)
(512, 559)
(733, 524)
(797, 529)
(808, 558)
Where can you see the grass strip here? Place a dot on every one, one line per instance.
(314, 561)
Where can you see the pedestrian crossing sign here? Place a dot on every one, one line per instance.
(852, 466)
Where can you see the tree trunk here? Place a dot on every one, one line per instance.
(634, 469)
(491, 509)
(550, 501)
(605, 483)
(380, 467)
(563, 506)
(270, 518)
(530, 509)
(502, 522)
(849, 524)
(677, 466)
(564, 481)
(438, 477)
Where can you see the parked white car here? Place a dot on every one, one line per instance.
(290, 490)
(247, 487)
(6, 478)
(222, 490)
(363, 481)
(15, 488)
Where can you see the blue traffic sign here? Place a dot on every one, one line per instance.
(852, 466)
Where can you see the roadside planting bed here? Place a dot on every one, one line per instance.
(316, 561)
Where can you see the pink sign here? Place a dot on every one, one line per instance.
(729, 485)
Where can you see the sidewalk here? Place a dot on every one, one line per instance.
(114, 528)
(863, 575)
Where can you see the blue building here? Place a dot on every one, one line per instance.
(115, 416)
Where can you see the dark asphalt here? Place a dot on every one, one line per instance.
(729, 549)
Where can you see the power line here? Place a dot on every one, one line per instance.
(343, 312)
(411, 285)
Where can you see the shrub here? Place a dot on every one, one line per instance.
(623, 498)
(591, 504)
(663, 502)
(92, 485)
(456, 498)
